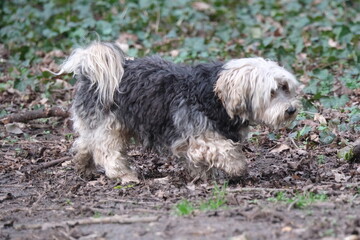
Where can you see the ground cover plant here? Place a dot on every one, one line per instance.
(303, 181)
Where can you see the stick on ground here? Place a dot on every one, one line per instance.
(36, 114)
(52, 163)
(85, 221)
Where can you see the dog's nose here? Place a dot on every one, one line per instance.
(291, 110)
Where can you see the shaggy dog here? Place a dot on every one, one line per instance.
(200, 113)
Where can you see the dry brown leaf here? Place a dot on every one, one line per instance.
(201, 6)
(314, 137)
(320, 118)
(340, 177)
(240, 237)
(125, 37)
(191, 187)
(281, 148)
(160, 193)
(124, 46)
(352, 237)
(163, 180)
(15, 128)
(174, 53)
(332, 43)
(286, 229)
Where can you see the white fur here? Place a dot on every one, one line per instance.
(106, 145)
(245, 87)
(101, 64)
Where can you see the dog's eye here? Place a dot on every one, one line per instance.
(285, 87)
(273, 93)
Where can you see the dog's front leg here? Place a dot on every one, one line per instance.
(214, 150)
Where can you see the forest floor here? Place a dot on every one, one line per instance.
(290, 192)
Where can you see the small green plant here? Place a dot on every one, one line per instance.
(279, 197)
(69, 136)
(320, 159)
(325, 134)
(47, 132)
(304, 200)
(299, 200)
(97, 215)
(68, 202)
(217, 200)
(254, 137)
(124, 187)
(303, 132)
(327, 233)
(346, 153)
(184, 207)
(11, 140)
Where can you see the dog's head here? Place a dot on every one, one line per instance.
(258, 90)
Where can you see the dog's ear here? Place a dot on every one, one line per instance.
(233, 88)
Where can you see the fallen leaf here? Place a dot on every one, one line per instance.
(125, 37)
(67, 163)
(239, 237)
(92, 183)
(191, 187)
(281, 148)
(352, 237)
(15, 128)
(340, 177)
(174, 53)
(124, 46)
(303, 56)
(314, 138)
(302, 152)
(159, 194)
(320, 118)
(286, 229)
(163, 180)
(201, 6)
(332, 43)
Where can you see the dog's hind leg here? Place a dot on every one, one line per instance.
(83, 159)
(109, 151)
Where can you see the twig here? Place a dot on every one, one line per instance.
(36, 114)
(249, 189)
(103, 220)
(150, 204)
(41, 196)
(145, 210)
(51, 163)
(291, 205)
(293, 142)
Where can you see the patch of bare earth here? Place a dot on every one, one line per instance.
(42, 197)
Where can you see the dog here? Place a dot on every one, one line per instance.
(200, 113)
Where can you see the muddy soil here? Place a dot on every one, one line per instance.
(42, 197)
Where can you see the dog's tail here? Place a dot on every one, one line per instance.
(101, 63)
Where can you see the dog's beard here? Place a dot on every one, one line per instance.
(275, 115)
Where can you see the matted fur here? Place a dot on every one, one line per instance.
(200, 113)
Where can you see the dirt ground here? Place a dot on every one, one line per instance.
(42, 197)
